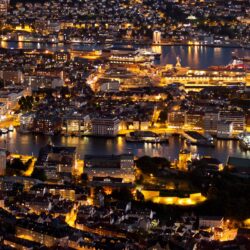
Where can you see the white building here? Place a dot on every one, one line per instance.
(238, 119)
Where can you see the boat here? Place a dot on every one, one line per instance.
(146, 137)
(244, 140)
(4, 130)
(243, 58)
(148, 52)
(11, 128)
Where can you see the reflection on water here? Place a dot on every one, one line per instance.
(191, 56)
(30, 144)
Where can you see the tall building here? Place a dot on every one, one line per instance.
(156, 37)
(210, 122)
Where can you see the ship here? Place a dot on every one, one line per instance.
(244, 59)
(4, 131)
(195, 138)
(244, 141)
(150, 53)
(146, 137)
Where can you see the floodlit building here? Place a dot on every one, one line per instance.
(236, 117)
(110, 166)
(225, 130)
(105, 126)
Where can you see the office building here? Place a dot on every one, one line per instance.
(110, 166)
(105, 126)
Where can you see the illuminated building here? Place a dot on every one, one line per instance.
(110, 86)
(210, 122)
(211, 221)
(68, 192)
(110, 166)
(41, 233)
(7, 183)
(18, 243)
(53, 27)
(10, 97)
(47, 124)
(197, 80)
(26, 122)
(156, 37)
(176, 118)
(15, 76)
(57, 162)
(167, 197)
(236, 117)
(105, 126)
(225, 130)
(62, 56)
(184, 158)
(194, 119)
(75, 124)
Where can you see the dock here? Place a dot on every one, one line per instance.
(195, 138)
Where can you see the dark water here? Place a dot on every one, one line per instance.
(199, 57)
(30, 144)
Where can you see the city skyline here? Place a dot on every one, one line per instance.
(125, 124)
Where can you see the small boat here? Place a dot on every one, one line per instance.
(4, 130)
(146, 137)
(244, 141)
(11, 128)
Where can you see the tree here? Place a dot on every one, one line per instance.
(153, 165)
(17, 164)
(26, 103)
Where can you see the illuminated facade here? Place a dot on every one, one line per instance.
(115, 166)
(105, 126)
